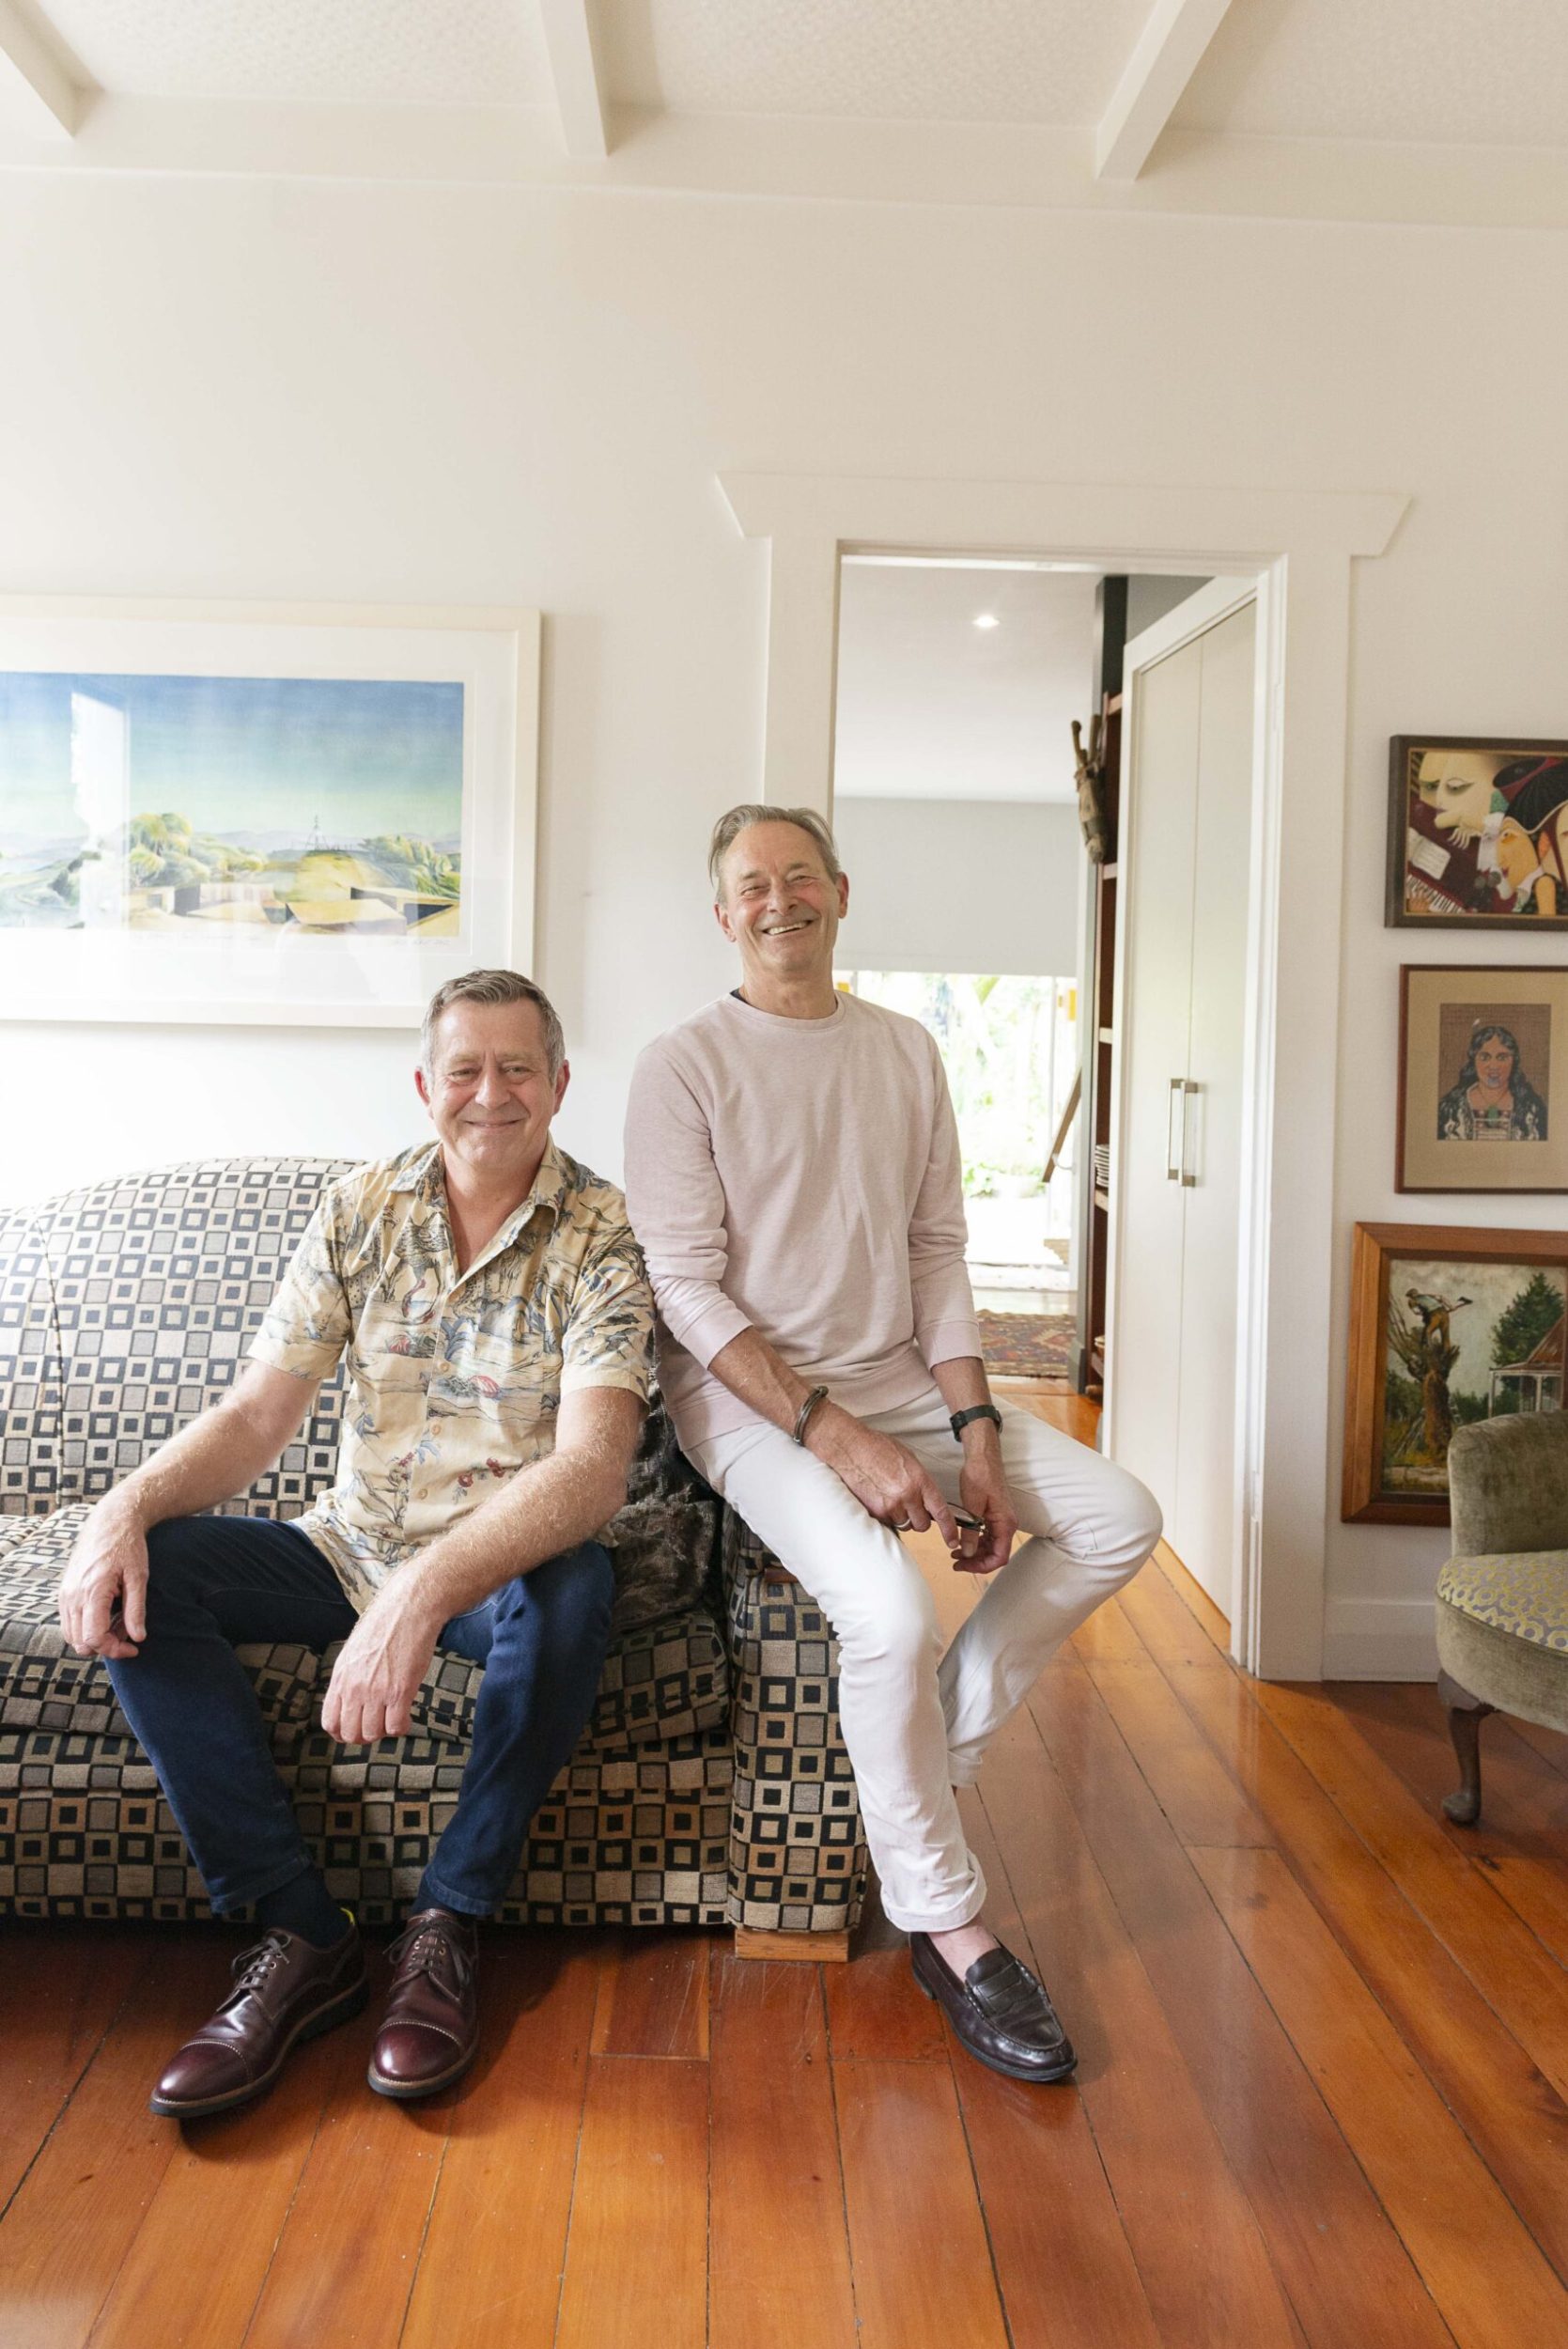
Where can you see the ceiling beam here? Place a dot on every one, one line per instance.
(36, 91)
(1163, 61)
(580, 97)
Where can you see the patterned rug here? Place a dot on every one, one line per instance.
(1029, 1346)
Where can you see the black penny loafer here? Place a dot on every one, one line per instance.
(1003, 2014)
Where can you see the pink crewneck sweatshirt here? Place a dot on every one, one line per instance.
(799, 1177)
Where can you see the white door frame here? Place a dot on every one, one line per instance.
(1299, 546)
(1200, 612)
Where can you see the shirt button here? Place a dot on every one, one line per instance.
(422, 1492)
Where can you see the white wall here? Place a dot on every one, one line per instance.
(455, 394)
(960, 885)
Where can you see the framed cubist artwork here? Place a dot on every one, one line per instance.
(261, 814)
(1478, 834)
(1446, 1326)
(1482, 1079)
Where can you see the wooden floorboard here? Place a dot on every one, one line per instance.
(1330, 2242)
(1322, 2099)
(1488, 2278)
(60, 1989)
(923, 2276)
(784, 2281)
(637, 2252)
(490, 2275)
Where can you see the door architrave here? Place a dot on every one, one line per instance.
(1298, 547)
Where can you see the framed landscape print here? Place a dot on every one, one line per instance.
(219, 813)
(1446, 1326)
(1482, 1079)
(1478, 834)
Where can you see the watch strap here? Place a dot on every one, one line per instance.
(960, 1420)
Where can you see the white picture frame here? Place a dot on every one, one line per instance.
(257, 686)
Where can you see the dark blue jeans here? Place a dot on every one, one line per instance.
(218, 1582)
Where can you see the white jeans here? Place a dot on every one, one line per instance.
(915, 1727)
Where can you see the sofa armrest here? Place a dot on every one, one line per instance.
(1508, 1484)
(798, 1856)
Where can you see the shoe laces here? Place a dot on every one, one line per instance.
(433, 1945)
(254, 1968)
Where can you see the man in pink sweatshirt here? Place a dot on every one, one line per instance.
(793, 1175)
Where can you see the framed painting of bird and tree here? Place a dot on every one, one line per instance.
(1447, 1325)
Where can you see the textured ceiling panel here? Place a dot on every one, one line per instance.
(935, 60)
(326, 51)
(1467, 73)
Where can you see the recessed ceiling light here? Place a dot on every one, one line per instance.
(986, 619)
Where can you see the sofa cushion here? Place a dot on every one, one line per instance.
(1524, 1593)
(661, 1680)
(44, 1685)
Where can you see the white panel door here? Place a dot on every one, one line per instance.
(1204, 1522)
(1153, 991)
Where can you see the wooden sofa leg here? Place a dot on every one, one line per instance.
(799, 1949)
(1465, 1714)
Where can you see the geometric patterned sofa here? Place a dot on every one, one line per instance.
(1502, 1598)
(711, 1784)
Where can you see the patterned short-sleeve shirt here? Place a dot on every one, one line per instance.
(455, 1378)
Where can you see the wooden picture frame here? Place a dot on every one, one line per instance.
(1465, 829)
(1474, 1268)
(274, 815)
(1482, 1079)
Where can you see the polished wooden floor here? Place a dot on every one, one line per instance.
(1323, 2095)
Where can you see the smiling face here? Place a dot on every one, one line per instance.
(1457, 787)
(489, 1091)
(779, 904)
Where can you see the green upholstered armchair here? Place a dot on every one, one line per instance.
(1502, 1598)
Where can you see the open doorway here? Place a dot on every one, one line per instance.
(1067, 912)
(955, 811)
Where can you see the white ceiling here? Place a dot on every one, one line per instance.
(931, 60)
(1461, 72)
(932, 708)
(314, 52)
(1442, 109)
(1467, 73)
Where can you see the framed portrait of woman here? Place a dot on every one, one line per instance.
(1482, 1079)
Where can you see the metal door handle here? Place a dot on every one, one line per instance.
(1174, 1153)
(1188, 1179)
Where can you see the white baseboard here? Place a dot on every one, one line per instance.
(1379, 1639)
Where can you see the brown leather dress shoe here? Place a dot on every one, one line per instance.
(1001, 2011)
(430, 2033)
(285, 1990)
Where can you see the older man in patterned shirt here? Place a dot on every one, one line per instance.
(498, 1325)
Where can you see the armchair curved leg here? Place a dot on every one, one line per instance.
(1465, 1714)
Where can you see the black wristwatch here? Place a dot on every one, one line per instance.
(960, 1420)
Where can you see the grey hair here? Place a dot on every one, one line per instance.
(737, 819)
(494, 987)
